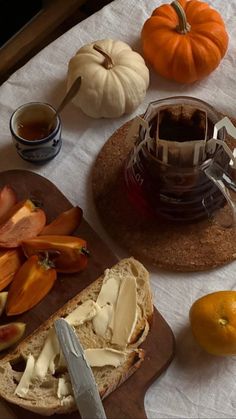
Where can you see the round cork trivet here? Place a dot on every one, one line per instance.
(173, 246)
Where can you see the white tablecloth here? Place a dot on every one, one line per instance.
(196, 384)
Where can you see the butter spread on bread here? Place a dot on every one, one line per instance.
(118, 309)
(23, 386)
(64, 388)
(111, 318)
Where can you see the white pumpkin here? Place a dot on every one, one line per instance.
(114, 78)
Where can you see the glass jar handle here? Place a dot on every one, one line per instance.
(216, 173)
(227, 187)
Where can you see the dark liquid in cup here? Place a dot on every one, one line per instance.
(33, 131)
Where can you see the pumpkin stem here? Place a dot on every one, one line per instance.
(108, 63)
(183, 27)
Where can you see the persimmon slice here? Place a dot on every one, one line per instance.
(7, 200)
(31, 284)
(10, 261)
(70, 253)
(65, 224)
(23, 221)
(3, 300)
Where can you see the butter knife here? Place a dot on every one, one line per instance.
(84, 386)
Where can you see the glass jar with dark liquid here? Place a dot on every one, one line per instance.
(166, 172)
(36, 132)
(33, 131)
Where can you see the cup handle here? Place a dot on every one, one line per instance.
(216, 173)
(226, 185)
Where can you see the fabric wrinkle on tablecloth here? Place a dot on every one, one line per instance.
(196, 384)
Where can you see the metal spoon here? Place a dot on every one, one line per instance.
(68, 97)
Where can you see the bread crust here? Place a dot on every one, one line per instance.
(114, 376)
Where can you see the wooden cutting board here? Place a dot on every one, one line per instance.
(128, 400)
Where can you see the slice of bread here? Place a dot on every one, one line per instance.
(42, 395)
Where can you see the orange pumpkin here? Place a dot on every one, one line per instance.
(185, 40)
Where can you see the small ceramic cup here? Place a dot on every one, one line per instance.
(33, 140)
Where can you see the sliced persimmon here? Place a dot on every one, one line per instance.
(70, 253)
(65, 224)
(10, 261)
(8, 199)
(31, 284)
(3, 300)
(23, 221)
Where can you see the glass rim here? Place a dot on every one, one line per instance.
(168, 99)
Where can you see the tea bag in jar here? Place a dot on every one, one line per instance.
(181, 135)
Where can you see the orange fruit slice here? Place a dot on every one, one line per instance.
(213, 322)
(65, 224)
(22, 222)
(30, 285)
(69, 253)
(7, 200)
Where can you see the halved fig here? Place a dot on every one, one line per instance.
(10, 333)
(7, 200)
(10, 261)
(65, 224)
(23, 221)
(70, 253)
(3, 300)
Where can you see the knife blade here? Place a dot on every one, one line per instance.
(84, 386)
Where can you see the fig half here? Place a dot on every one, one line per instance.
(10, 333)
